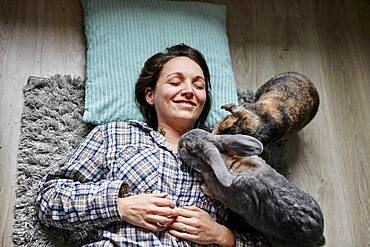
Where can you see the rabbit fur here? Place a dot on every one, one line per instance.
(284, 104)
(244, 183)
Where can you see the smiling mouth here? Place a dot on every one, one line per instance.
(185, 102)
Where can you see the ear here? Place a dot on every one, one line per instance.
(242, 145)
(236, 111)
(230, 107)
(213, 157)
(149, 95)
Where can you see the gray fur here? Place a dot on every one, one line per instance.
(286, 215)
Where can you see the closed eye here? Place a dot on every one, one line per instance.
(174, 83)
(199, 85)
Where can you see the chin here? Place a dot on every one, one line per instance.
(185, 120)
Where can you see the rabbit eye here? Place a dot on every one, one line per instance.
(190, 149)
(188, 146)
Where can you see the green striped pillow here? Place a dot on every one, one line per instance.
(123, 34)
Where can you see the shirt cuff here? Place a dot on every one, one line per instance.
(112, 195)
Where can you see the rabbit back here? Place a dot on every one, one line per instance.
(290, 98)
(284, 104)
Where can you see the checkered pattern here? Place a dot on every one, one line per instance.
(83, 193)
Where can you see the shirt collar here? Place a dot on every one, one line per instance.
(143, 125)
(157, 137)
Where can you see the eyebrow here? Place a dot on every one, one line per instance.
(182, 76)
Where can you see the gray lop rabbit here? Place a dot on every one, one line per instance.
(244, 183)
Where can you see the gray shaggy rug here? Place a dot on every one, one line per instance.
(51, 129)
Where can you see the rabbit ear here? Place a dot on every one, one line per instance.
(230, 107)
(242, 145)
(213, 157)
(234, 109)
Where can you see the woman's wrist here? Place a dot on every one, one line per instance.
(225, 237)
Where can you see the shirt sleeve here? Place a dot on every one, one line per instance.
(77, 195)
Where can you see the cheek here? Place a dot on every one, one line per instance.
(170, 93)
(201, 97)
(164, 95)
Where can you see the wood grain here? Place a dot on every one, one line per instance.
(328, 41)
(7, 195)
(39, 38)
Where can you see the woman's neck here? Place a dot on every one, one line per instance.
(172, 134)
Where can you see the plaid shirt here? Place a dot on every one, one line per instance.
(83, 193)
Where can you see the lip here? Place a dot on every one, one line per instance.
(185, 102)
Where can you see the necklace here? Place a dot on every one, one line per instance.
(162, 131)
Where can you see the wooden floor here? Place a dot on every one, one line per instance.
(329, 41)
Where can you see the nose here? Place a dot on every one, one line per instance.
(187, 90)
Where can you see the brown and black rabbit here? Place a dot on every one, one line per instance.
(244, 183)
(284, 104)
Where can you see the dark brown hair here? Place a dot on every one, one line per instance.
(150, 73)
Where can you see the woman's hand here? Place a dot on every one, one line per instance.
(150, 211)
(196, 225)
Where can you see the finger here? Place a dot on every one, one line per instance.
(193, 208)
(159, 195)
(162, 220)
(183, 228)
(186, 212)
(165, 211)
(195, 223)
(154, 227)
(182, 235)
(163, 202)
(187, 221)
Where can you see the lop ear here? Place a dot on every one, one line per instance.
(213, 157)
(238, 144)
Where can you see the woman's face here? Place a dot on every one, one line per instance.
(180, 93)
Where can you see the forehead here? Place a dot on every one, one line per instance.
(182, 65)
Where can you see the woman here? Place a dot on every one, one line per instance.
(125, 185)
